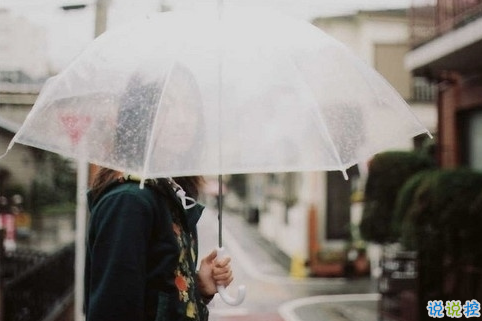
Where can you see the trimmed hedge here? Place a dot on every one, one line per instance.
(441, 217)
(441, 210)
(387, 173)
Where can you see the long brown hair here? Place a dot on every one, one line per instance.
(103, 177)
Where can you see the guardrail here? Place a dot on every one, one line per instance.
(36, 286)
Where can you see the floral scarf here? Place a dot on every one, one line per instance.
(185, 272)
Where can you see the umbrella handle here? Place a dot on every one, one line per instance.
(221, 253)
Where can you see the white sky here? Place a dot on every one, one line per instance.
(306, 9)
(69, 32)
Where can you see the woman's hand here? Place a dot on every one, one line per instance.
(213, 272)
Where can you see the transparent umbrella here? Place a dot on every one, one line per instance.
(181, 93)
(252, 91)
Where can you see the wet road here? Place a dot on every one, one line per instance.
(272, 295)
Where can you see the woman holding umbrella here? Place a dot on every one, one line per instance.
(142, 251)
(247, 114)
(142, 243)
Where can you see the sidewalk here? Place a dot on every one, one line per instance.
(336, 299)
(341, 307)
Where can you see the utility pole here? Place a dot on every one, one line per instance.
(101, 9)
(83, 172)
(2, 262)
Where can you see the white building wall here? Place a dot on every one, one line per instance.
(22, 46)
(380, 31)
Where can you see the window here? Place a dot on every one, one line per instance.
(389, 63)
(471, 138)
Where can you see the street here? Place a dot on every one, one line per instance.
(272, 295)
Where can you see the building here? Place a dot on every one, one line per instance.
(446, 50)
(312, 216)
(22, 48)
(23, 69)
(20, 75)
(19, 166)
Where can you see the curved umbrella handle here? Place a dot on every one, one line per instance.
(221, 253)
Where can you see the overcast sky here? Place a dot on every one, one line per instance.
(304, 9)
(307, 9)
(69, 32)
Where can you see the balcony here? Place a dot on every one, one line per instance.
(446, 35)
(432, 18)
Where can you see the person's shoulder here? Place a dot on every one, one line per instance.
(130, 189)
(125, 202)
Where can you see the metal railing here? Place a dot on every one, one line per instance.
(432, 18)
(423, 90)
(36, 285)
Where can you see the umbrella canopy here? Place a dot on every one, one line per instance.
(180, 93)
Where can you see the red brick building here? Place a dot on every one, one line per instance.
(447, 50)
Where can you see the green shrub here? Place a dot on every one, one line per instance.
(442, 220)
(59, 209)
(403, 204)
(387, 173)
(443, 212)
(55, 183)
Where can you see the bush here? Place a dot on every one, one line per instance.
(403, 204)
(387, 173)
(54, 184)
(59, 209)
(443, 211)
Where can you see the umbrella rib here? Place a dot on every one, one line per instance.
(318, 115)
(154, 124)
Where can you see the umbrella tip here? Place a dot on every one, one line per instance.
(345, 174)
(4, 154)
(7, 150)
(429, 134)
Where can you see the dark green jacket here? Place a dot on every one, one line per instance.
(141, 256)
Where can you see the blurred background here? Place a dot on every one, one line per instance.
(403, 230)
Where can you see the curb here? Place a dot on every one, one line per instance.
(287, 310)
